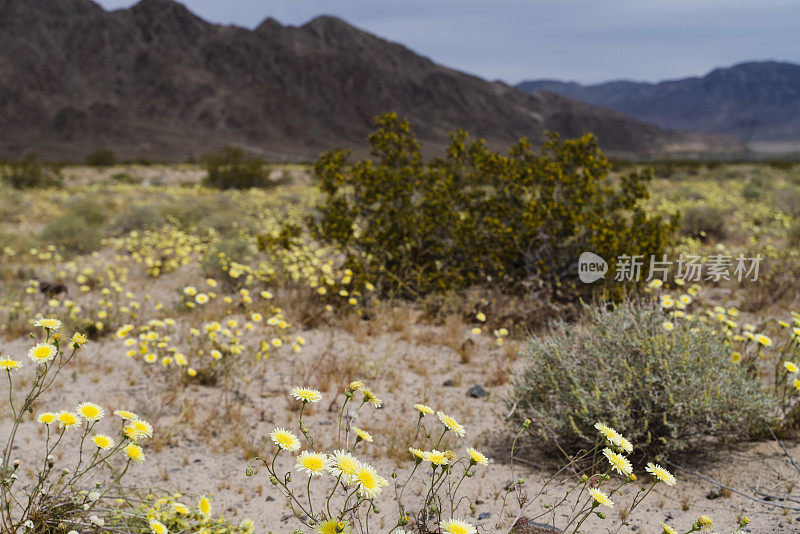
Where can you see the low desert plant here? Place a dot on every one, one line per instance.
(140, 511)
(338, 492)
(668, 384)
(55, 496)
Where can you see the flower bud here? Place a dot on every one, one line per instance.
(249, 471)
(601, 515)
(273, 480)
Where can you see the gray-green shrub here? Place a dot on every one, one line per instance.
(703, 221)
(666, 391)
(80, 229)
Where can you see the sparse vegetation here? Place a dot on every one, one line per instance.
(201, 304)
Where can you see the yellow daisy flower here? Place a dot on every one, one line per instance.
(67, 419)
(477, 457)
(618, 462)
(204, 505)
(49, 324)
(362, 434)
(91, 411)
(42, 352)
(134, 452)
(601, 498)
(306, 394)
(285, 439)
(333, 526)
(660, 473)
(102, 441)
(46, 417)
(370, 483)
(451, 424)
(7, 364)
(314, 464)
(423, 409)
(456, 526)
(436, 457)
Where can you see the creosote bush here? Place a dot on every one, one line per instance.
(233, 169)
(28, 173)
(102, 157)
(477, 217)
(666, 385)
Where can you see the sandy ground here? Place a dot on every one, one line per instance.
(204, 435)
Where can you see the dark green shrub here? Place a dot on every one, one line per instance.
(477, 217)
(753, 189)
(666, 391)
(782, 165)
(28, 173)
(102, 157)
(233, 169)
(703, 221)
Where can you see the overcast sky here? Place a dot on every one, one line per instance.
(582, 40)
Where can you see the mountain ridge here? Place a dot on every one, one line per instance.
(751, 101)
(157, 81)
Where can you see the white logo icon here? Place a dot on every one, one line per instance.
(591, 267)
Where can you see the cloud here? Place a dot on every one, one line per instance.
(582, 40)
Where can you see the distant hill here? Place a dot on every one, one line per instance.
(156, 81)
(756, 101)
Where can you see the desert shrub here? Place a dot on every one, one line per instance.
(787, 199)
(28, 173)
(125, 178)
(793, 235)
(477, 217)
(667, 390)
(236, 249)
(138, 217)
(703, 221)
(102, 157)
(80, 229)
(782, 165)
(233, 169)
(753, 189)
